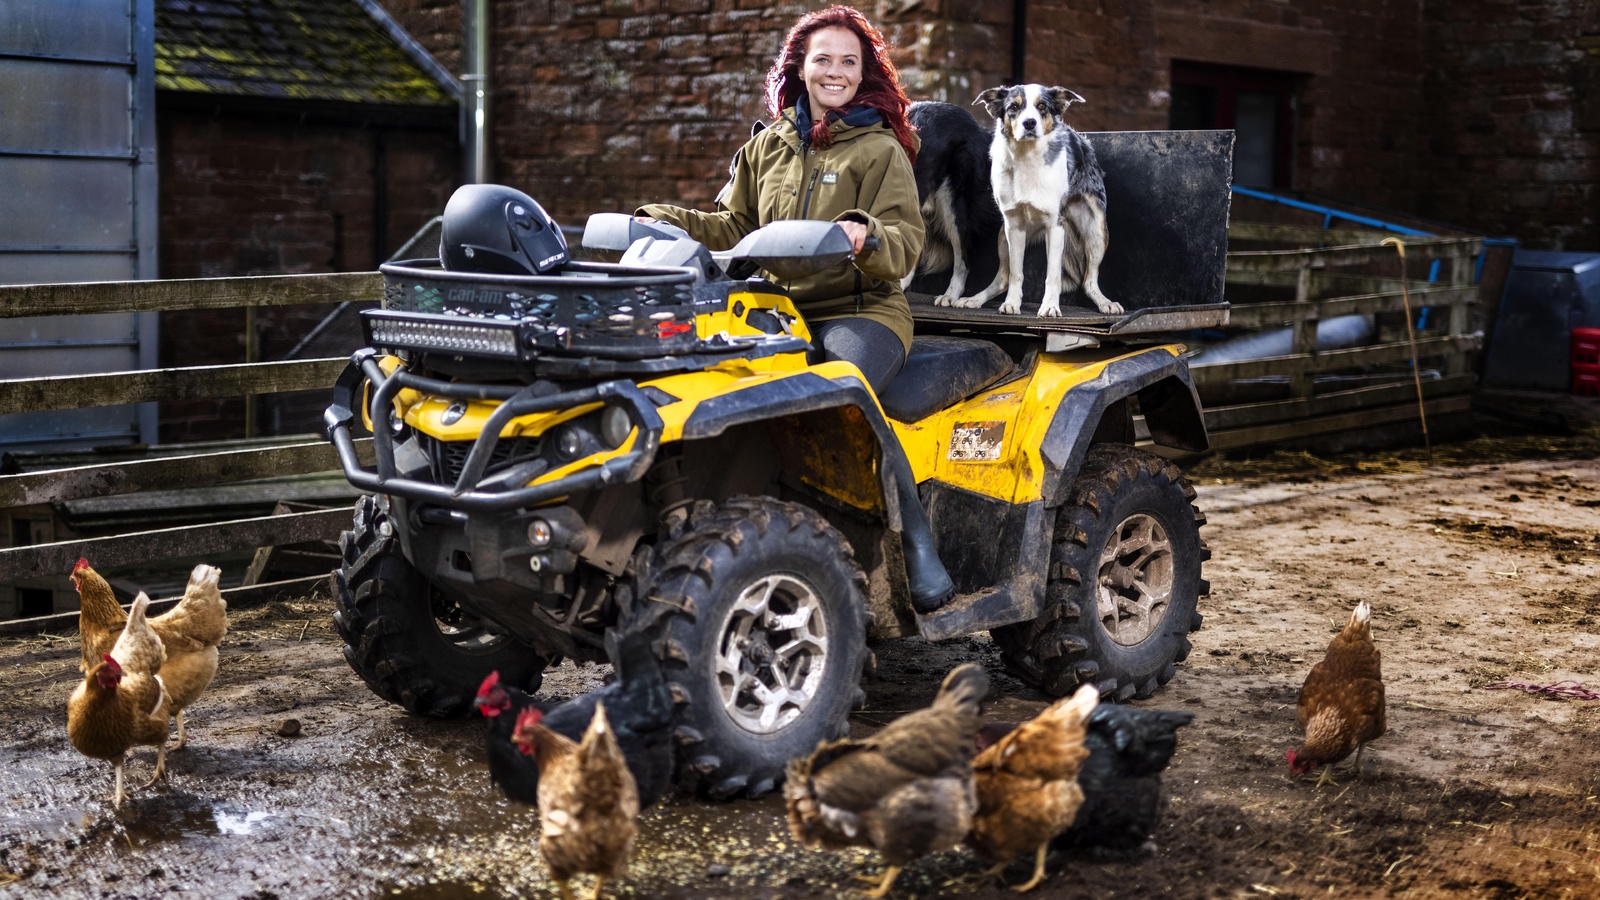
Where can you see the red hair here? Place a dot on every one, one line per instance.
(880, 87)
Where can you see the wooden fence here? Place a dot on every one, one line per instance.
(1317, 274)
(189, 470)
(1315, 284)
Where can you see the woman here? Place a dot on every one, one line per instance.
(840, 150)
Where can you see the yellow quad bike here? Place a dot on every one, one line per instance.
(645, 445)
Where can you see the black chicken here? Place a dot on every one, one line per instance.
(1121, 779)
(638, 705)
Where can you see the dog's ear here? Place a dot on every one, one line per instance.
(757, 127)
(993, 100)
(1061, 98)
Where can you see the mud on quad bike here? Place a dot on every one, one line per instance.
(568, 447)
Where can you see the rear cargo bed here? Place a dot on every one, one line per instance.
(1167, 196)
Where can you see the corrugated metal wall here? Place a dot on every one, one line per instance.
(78, 165)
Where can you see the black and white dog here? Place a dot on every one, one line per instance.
(958, 208)
(1047, 184)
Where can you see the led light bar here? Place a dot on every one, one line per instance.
(441, 334)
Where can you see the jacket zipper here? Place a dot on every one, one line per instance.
(805, 208)
(805, 213)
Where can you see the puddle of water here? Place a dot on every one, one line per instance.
(46, 823)
(171, 821)
(230, 822)
(445, 890)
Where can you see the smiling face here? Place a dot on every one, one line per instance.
(832, 70)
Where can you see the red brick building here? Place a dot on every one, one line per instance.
(1481, 113)
(294, 136)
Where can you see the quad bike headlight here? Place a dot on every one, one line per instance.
(569, 442)
(442, 334)
(615, 426)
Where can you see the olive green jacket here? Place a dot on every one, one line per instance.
(865, 176)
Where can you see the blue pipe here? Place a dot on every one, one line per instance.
(1330, 213)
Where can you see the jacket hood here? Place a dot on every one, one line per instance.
(850, 117)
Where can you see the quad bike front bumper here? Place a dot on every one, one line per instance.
(474, 489)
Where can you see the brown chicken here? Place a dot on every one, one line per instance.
(121, 703)
(1341, 702)
(100, 616)
(1027, 783)
(906, 791)
(588, 801)
(191, 632)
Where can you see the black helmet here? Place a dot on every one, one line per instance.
(494, 228)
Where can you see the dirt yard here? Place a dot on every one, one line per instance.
(1481, 570)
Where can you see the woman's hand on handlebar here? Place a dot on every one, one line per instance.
(855, 231)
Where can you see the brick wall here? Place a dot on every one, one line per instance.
(607, 105)
(1481, 113)
(260, 194)
(1512, 135)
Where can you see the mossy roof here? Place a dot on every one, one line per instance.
(322, 50)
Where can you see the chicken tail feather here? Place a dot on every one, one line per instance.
(963, 689)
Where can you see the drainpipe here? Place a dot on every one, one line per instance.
(475, 65)
(1019, 41)
(380, 196)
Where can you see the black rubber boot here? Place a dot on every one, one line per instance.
(930, 584)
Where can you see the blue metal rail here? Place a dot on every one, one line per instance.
(1329, 214)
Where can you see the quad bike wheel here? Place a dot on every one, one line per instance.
(1124, 581)
(410, 644)
(759, 616)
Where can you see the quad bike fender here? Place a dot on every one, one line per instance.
(1167, 397)
(828, 437)
(844, 463)
(1001, 578)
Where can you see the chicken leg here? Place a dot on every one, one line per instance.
(161, 768)
(882, 889)
(117, 794)
(1038, 870)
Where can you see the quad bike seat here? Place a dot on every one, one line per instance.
(940, 371)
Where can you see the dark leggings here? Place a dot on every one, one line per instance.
(872, 346)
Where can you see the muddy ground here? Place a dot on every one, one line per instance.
(1481, 569)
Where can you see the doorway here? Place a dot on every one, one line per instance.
(1257, 104)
